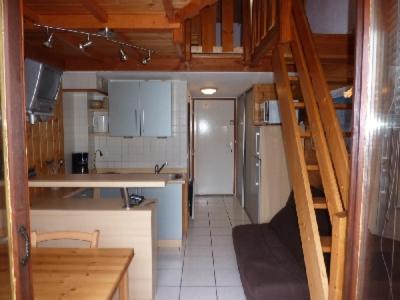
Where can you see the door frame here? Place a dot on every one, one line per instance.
(14, 144)
(192, 136)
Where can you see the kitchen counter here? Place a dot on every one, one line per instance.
(100, 180)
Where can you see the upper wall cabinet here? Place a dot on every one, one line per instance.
(140, 108)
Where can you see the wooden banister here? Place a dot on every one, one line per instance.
(336, 143)
(311, 241)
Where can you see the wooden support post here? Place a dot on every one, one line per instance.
(227, 25)
(208, 20)
(337, 256)
(188, 40)
(285, 21)
(246, 29)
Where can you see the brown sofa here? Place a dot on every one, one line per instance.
(270, 256)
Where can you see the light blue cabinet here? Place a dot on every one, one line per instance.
(124, 108)
(140, 108)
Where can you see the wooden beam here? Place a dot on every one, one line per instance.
(227, 25)
(97, 11)
(208, 19)
(178, 38)
(188, 40)
(154, 21)
(285, 21)
(246, 36)
(30, 15)
(266, 44)
(193, 8)
(169, 10)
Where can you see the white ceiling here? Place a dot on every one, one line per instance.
(228, 85)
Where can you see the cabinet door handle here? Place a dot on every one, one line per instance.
(142, 121)
(135, 118)
(22, 231)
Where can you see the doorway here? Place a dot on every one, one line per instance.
(214, 151)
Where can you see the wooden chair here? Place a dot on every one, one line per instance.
(91, 237)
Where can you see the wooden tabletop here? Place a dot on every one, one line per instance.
(60, 273)
(100, 180)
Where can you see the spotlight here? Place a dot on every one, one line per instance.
(48, 43)
(122, 55)
(86, 44)
(147, 59)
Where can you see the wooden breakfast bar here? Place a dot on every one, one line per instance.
(60, 273)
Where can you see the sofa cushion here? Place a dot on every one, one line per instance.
(266, 266)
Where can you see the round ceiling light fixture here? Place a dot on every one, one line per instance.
(208, 91)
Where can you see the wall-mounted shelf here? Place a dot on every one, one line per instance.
(85, 90)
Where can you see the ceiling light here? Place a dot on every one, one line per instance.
(122, 55)
(86, 44)
(147, 59)
(48, 43)
(106, 32)
(208, 91)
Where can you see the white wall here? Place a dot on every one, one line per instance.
(145, 152)
(75, 125)
(328, 16)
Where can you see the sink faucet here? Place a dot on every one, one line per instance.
(157, 168)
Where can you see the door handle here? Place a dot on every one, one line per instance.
(24, 234)
(142, 129)
(135, 118)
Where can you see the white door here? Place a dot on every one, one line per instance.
(214, 148)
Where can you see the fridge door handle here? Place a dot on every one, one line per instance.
(257, 143)
(258, 175)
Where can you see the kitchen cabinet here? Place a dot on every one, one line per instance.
(140, 108)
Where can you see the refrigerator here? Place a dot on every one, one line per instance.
(252, 161)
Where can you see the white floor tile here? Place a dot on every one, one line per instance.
(199, 223)
(223, 250)
(227, 277)
(199, 240)
(231, 293)
(198, 293)
(167, 293)
(198, 262)
(221, 231)
(170, 261)
(225, 261)
(198, 277)
(199, 231)
(220, 223)
(169, 277)
(194, 250)
(170, 251)
(220, 240)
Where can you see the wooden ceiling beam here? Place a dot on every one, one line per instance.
(30, 15)
(192, 9)
(98, 12)
(169, 10)
(150, 21)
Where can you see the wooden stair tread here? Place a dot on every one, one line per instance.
(320, 203)
(312, 168)
(307, 133)
(293, 78)
(326, 243)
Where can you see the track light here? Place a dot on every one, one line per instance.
(147, 59)
(48, 43)
(86, 44)
(122, 54)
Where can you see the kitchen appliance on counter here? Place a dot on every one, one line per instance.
(42, 84)
(100, 122)
(80, 163)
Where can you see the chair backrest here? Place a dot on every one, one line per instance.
(91, 237)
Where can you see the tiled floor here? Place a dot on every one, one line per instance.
(206, 268)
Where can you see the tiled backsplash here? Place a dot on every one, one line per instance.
(139, 152)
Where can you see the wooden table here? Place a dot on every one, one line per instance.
(60, 273)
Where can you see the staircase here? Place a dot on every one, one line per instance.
(321, 129)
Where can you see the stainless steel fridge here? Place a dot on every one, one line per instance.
(252, 168)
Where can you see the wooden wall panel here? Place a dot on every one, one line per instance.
(45, 142)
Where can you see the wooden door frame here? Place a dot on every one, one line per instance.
(192, 135)
(357, 202)
(14, 148)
